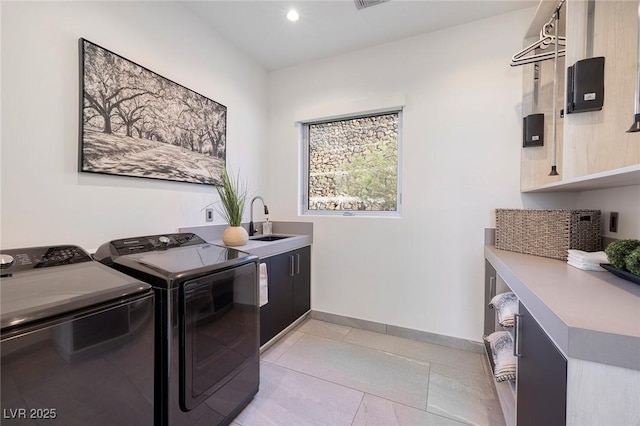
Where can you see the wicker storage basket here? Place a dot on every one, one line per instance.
(547, 233)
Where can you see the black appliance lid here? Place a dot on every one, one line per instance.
(189, 258)
(44, 282)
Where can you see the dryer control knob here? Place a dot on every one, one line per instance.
(164, 240)
(6, 261)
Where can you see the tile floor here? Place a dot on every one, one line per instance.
(328, 374)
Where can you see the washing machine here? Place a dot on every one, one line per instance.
(207, 323)
(76, 341)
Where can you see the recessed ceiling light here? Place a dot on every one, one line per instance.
(292, 15)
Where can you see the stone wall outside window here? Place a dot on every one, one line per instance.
(353, 164)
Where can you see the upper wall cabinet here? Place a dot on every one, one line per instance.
(593, 148)
(597, 141)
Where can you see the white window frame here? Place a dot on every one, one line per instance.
(303, 136)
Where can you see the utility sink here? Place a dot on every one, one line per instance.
(270, 238)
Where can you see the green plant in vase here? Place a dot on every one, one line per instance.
(233, 197)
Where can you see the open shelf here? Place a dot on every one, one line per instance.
(624, 176)
(487, 352)
(506, 391)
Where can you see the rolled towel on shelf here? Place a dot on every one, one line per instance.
(264, 285)
(501, 346)
(506, 306)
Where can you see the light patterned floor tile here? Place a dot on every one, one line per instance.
(331, 359)
(386, 375)
(422, 351)
(463, 396)
(376, 411)
(290, 398)
(324, 329)
(281, 346)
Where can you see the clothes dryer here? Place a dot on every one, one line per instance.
(207, 324)
(77, 340)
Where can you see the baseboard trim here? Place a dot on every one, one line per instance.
(408, 333)
(278, 336)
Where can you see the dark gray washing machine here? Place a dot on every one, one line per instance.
(207, 324)
(77, 340)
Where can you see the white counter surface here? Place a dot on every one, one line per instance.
(301, 234)
(264, 249)
(594, 316)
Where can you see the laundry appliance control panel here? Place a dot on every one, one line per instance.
(18, 260)
(154, 243)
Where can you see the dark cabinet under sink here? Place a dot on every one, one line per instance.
(302, 282)
(289, 291)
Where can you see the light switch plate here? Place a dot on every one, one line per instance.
(613, 222)
(209, 215)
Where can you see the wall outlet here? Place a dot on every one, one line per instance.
(613, 222)
(209, 215)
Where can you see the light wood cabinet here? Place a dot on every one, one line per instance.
(537, 98)
(536, 161)
(595, 142)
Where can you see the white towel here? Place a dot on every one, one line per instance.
(502, 353)
(264, 285)
(594, 258)
(506, 306)
(587, 261)
(586, 266)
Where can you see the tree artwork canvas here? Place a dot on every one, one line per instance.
(137, 123)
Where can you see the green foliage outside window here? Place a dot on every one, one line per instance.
(373, 178)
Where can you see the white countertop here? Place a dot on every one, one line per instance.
(301, 234)
(593, 316)
(264, 249)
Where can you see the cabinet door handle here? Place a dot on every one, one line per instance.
(297, 263)
(516, 335)
(291, 271)
(492, 287)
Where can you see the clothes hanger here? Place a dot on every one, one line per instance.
(546, 40)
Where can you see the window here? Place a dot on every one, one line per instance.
(351, 165)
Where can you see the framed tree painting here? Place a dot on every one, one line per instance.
(133, 122)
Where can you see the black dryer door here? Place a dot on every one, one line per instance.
(219, 331)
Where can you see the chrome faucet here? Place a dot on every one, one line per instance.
(252, 229)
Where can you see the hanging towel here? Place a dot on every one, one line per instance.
(502, 353)
(506, 306)
(264, 285)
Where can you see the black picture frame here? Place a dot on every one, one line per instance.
(134, 122)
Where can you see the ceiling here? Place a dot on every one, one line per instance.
(332, 27)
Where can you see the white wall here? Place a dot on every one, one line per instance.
(44, 199)
(460, 150)
(624, 200)
(461, 160)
